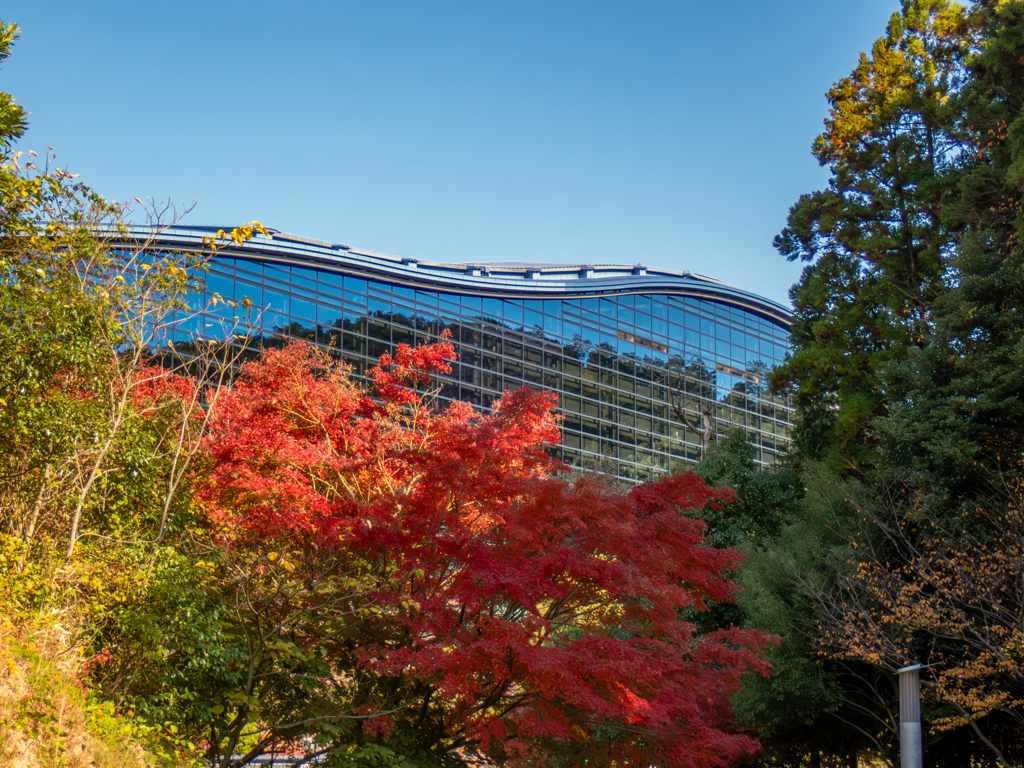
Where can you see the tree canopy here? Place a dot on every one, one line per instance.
(906, 365)
(468, 600)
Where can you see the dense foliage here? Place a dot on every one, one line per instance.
(906, 370)
(457, 596)
(300, 563)
(303, 563)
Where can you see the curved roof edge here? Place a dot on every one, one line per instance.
(533, 280)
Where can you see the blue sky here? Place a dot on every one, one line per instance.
(673, 134)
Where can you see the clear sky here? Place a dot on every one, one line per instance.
(673, 134)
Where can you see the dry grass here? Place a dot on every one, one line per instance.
(44, 712)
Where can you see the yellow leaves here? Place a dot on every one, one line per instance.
(410, 605)
(278, 559)
(238, 236)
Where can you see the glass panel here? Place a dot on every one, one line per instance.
(572, 331)
(330, 282)
(426, 299)
(275, 305)
(403, 317)
(492, 309)
(608, 342)
(377, 347)
(469, 335)
(490, 362)
(222, 284)
(304, 277)
(532, 319)
(326, 315)
(490, 340)
(355, 290)
(400, 335)
(249, 268)
(279, 274)
(354, 342)
(303, 308)
(380, 330)
(404, 296)
(513, 315)
(552, 325)
(379, 290)
(449, 306)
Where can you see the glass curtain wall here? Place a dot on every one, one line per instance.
(633, 371)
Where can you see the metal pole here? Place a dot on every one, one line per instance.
(911, 751)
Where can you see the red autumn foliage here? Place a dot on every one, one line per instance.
(153, 384)
(504, 610)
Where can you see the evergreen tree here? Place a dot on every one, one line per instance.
(908, 366)
(877, 237)
(957, 417)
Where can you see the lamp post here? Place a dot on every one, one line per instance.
(911, 751)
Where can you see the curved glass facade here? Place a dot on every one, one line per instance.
(635, 355)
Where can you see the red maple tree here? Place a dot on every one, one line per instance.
(458, 596)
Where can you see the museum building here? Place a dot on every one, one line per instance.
(637, 356)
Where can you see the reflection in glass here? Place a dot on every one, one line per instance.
(622, 387)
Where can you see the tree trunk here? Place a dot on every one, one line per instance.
(707, 431)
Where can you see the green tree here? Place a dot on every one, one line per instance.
(908, 333)
(942, 541)
(845, 619)
(877, 237)
(957, 419)
(766, 498)
(12, 117)
(810, 708)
